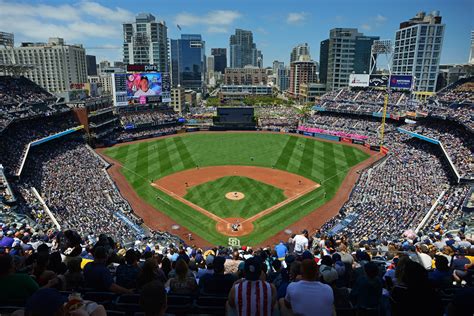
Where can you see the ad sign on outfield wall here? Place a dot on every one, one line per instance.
(360, 80)
(401, 81)
(378, 81)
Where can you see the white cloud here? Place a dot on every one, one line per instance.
(380, 18)
(100, 12)
(212, 18)
(366, 27)
(217, 29)
(295, 18)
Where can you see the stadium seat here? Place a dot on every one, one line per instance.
(213, 305)
(179, 304)
(128, 303)
(103, 298)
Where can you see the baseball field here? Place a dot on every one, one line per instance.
(208, 181)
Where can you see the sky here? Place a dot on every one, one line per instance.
(277, 25)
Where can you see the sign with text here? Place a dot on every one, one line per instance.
(378, 81)
(358, 80)
(401, 81)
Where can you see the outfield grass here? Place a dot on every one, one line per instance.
(323, 162)
(258, 196)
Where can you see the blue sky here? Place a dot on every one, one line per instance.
(278, 25)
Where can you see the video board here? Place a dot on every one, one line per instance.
(141, 88)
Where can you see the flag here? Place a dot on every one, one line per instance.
(179, 27)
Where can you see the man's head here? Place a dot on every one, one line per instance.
(219, 265)
(131, 256)
(100, 254)
(144, 85)
(46, 302)
(153, 299)
(253, 268)
(309, 270)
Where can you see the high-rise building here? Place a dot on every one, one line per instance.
(299, 50)
(220, 59)
(471, 53)
(145, 41)
(91, 65)
(346, 51)
(58, 65)
(418, 44)
(277, 65)
(302, 71)
(323, 60)
(7, 39)
(188, 63)
(283, 78)
(245, 76)
(210, 78)
(243, 51)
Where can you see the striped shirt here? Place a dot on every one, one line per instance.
(253, 298)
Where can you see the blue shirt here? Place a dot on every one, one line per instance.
(97, 276)
(281, 250)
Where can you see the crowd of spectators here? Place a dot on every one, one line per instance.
(77, 190)
(350, 124)
(148, 117)
(277, 117)
(149, 132)
(458, 143)
(14, 140)
(461, 92)
(397, 193)
(429, 271)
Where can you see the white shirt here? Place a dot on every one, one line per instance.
(425, 260)
(301, 242)
(140, 93)
(308, 298)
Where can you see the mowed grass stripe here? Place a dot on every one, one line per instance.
(184, 154)
(284, 158)
(306, 163)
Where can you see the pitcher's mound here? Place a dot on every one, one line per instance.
(235, 196)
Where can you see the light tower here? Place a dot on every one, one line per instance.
(385, 48)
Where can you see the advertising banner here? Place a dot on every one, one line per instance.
(375, 147)
(378, 81)
(329, 132)
(346, 140)
(358, 142)
(401, 81)
(361, 80)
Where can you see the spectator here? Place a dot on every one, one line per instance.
(153, 299)
(127, 273)
(97, 275)
(301, 242)
(183, 283)
(14, 286)
(367, 290)
(308, 295)
(252, 295)
(217, 283)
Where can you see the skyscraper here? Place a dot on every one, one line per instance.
(220, 59)
(345, 51)
(417, 52)
(91, 65)
(302, 71)
(299, 50)
(188, 62)
(243, 51)
(146, 42)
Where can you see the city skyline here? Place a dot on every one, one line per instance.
(98, 25)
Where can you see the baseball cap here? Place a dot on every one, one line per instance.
(329, 274)
(253, 268)
(304, 231)
(209, 259)
(45, 302)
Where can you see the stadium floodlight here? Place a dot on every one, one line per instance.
(382, 47)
